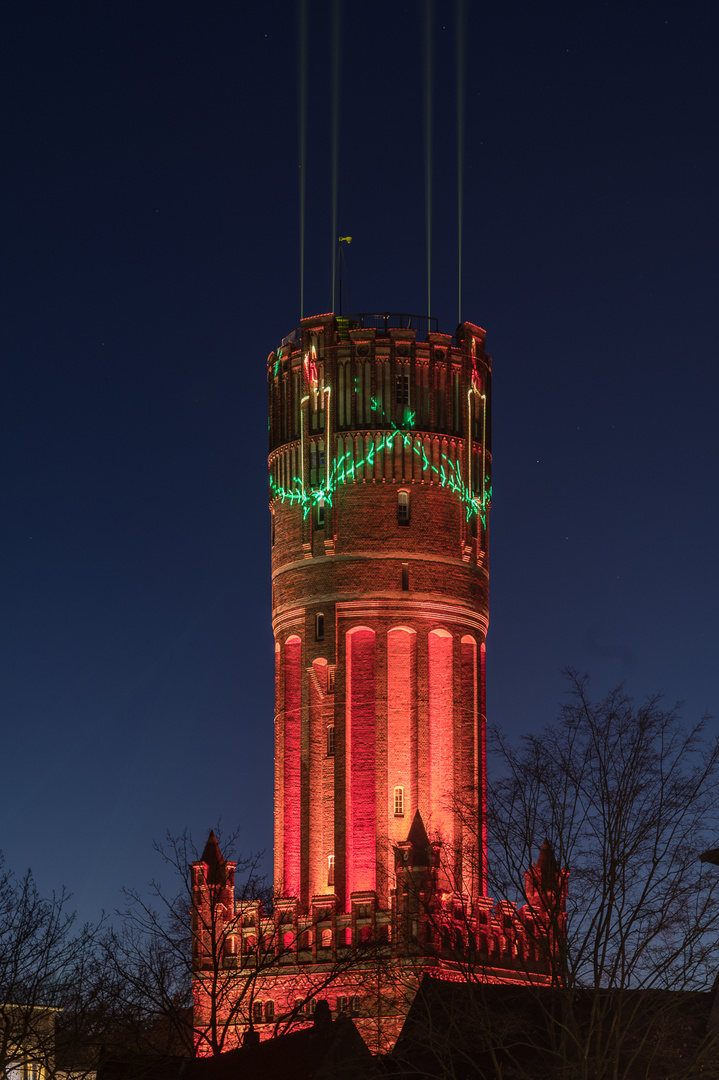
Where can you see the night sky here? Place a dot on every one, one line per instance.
(150, 262)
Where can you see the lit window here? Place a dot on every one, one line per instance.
(331, 870)
(399, 802)
(330, 740)
(321, 511)
(403, 508)
(319, 627)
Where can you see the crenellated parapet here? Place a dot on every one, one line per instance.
(353, 958)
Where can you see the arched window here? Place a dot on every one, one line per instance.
(330, 740)
(403, 508)
(269, 1011)
(330, 870)
(399, 802)
(319, 626)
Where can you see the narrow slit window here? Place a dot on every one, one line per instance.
(403, 508)
(399, 802)
(405, 577)
(330, 869)
(402, 389)
(330, 740)
(319, 626)
(321, 512)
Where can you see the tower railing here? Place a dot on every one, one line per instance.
(393, 320)
(382, 322)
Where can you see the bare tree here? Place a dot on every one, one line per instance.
(45, 962)
(620, 800)
(145, 978)
(190, 971)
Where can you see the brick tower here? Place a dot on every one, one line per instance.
(379, 493)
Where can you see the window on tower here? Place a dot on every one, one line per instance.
(405, 577)
(399, 802)
(330, 740)
(319, 626)
(403, 508)
(321, 512)
(402, 389)
(330, 869)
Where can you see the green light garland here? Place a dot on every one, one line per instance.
(448, 473)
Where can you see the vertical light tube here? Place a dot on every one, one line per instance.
(401, 736)
(460, 148)
(302, 102)
(441, 742)
(335, 132)
(469, 769)
(428, 142)
(328, 391)
(360, 757)
(292, 766)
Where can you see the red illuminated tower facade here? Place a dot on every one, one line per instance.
(380, 486)
(379, 491)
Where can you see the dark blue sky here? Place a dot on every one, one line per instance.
(149, 263)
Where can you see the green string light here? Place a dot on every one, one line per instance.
(447, 473)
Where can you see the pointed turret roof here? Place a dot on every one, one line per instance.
(421, 846)
(547, 866)
(212, 856)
